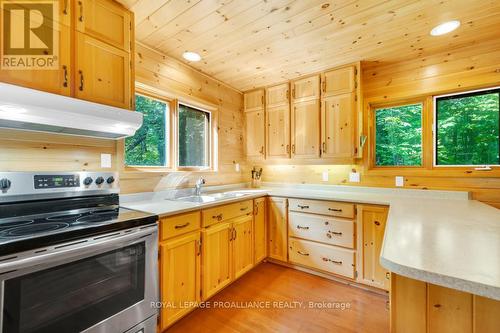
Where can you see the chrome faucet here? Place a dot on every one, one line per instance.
(197, 186)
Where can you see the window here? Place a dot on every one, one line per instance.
(398, 135)
(149, 145)
(467, 128)
(193, 137)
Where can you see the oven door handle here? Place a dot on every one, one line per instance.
(87, 246)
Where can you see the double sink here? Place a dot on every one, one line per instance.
(211, 197)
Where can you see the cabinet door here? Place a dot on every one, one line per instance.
(216, 258)
(255, 133)
(486, 315)
(305, 89)
(305, 130)
(179, 276)
(371, 236)
(337, 126)
(58, 80)
(277, 95)
(254, 100)
(277, 228)
(450, 311)
(102, 73)
(278, 131)
(104, 20)
(242, 245)
(408, 305)
(338, 81)
(259, 227)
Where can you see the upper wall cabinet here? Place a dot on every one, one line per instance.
(58, 80)
(277, 95)
(338, 81)
(103, 72)
(306, 129)
(97, 35)
(337, 126)
(305, 89)
(277, 122)
(255, 124)
(104, 20)
(254, 100)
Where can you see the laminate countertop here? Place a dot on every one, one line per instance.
(440, 237)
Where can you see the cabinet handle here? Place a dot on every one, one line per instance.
(376, 222)
(324, 147)
(293, 92)
(303, 254)
(332, 261)
(300, 227)
(81, 80)
(334, 210)
(181, 226)
(261, 150)
(235, 233)
(65, 8)
(336, 233)
(80, 4)
(288, 149)
(293, 148)
(199, 248)
(231, 234)
(256, 209)
(243, 209)
(302, 207)
(65, 75)
(218, 217)
(324, 85)
(387, 275)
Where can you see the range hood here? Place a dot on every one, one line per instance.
(33, 110)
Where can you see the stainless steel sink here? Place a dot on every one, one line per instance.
(211, 197)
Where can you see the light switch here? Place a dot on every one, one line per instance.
(105, 160)
(354, 177)
(325, 176)
(400, 181)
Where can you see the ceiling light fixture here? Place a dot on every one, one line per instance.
(445, 28)
(191, 56)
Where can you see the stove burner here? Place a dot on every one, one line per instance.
(98, 217)
(14, 224)
(31, 229)
(64, 218)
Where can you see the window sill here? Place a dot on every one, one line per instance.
(130, 172)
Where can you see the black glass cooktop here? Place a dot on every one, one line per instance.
(55, 221)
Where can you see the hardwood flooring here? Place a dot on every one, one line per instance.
(273, 283)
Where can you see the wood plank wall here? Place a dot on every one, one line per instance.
(31, 151)
(470, 66)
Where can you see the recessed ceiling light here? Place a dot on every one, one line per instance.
(445, 27)
(191, 56)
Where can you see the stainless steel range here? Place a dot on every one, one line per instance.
(72, 259)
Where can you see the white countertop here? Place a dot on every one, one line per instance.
(440, 237)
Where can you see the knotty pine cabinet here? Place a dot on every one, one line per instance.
(305, 89)
(102, 50)
(371, 227)
(338, 81)
(337, 126)
(305, 133)
(243, 246)
(278, 121)
(254, 123)
(277, 95)
(277, 220)
(419, 307)
(260, 232)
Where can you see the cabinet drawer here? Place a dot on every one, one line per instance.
(340, 209)
(326, 258)
(321, 229)
(217, 214)
(179, 224)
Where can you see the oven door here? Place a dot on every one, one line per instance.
(100, 284)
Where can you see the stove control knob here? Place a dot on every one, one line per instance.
(110, 180)
(99, 180)
(5, 184)
(87, 181)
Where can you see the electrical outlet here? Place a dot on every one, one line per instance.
(325, 176)
(354, 177)
(105, 160)
(400, 181)
(237, 167)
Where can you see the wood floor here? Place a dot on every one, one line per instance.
(274, 283)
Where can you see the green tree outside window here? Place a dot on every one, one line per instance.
(194, 129)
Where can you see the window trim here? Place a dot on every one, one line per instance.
(435, 130)
(209, 144)
(373, 107)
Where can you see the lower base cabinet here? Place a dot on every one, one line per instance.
(259, 228)
(179, 276)
(242, 245)
(419, 307)
(277, 228)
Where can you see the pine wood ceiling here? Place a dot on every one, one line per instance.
(252, 43)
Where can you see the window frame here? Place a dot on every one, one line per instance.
(169, 128)
(373, 107)
(209, 146)
(435, 130)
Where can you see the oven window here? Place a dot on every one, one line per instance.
(77, 295)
